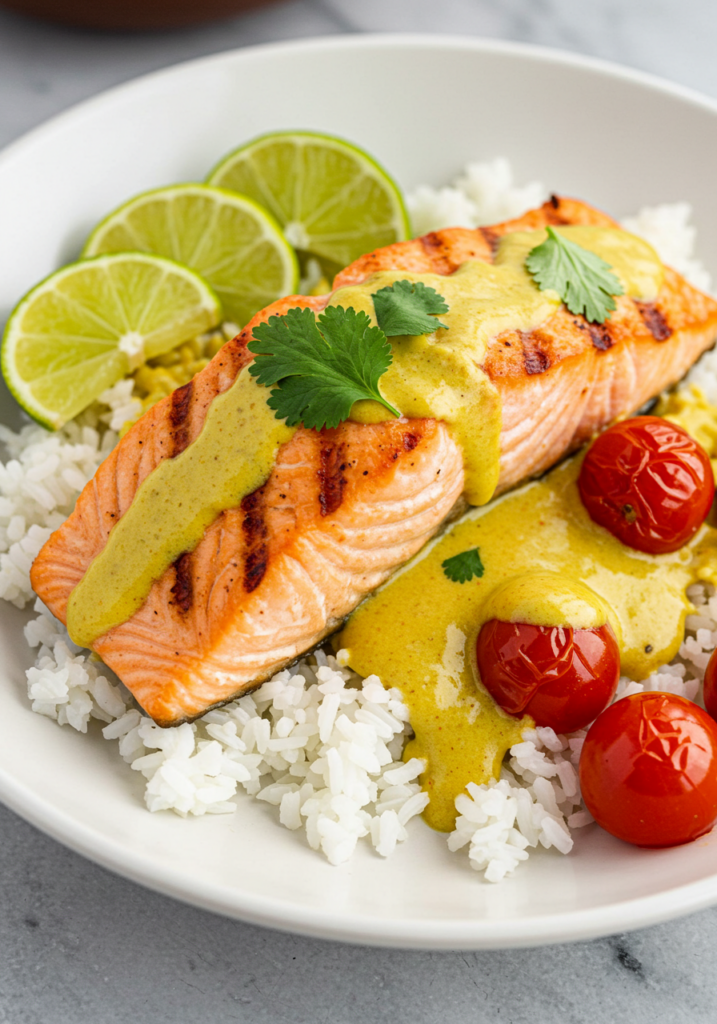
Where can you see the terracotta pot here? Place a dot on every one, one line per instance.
(131, 14)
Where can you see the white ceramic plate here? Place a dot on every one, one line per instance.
(424, 108)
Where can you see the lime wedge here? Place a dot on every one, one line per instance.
(85, 327)
(234, 244)
(332, 199)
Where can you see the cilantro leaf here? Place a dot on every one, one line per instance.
(584, 282)
(463, 567)
(404, 308)
(320, 368)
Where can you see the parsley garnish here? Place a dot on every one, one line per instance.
(320, 367)
(463, 567)
(408, 308)
(584, 282)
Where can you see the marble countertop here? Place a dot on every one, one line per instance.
(78, 943)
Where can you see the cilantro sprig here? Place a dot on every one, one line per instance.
(463, 567)
(408, 307)
(584, 281)
(320, 366)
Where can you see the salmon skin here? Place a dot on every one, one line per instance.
(344, 508)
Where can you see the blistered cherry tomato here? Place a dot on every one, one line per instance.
(648, 770)
(710, 688)
(562, 677)
(648, 482)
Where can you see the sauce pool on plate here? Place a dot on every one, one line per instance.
(418, 633)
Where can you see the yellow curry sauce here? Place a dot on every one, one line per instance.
(435, 376)
(232, 456)
(418, 632)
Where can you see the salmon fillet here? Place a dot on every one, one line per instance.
(344, 508)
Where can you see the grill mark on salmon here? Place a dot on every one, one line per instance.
(655, 320)
(554, 217)
(438, 252)
(600, 336)
(255, 532)
(535, 359)
(181, 400)
(272, 577)
(492, 240)
(183, 591)
(331, 477)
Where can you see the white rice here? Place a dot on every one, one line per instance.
(318, 742)
(668, 228)
(44, 474)
(483, 194)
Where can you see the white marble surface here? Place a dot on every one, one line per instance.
(78, 944)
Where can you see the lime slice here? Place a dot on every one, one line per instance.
(236, 246)
(85, 327)
(332, 199)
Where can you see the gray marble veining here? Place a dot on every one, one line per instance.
(665, 37)
(79, 944)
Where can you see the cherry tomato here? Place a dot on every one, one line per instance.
(648, 482)
(562, 677)
(710, 687)
(648, 770)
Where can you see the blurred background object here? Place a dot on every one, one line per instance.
(131, 14)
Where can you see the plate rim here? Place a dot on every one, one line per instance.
(426, 934)
(477, 933)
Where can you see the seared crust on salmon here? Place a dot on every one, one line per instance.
(344, 508)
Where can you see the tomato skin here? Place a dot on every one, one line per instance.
(648, 482)
(562, 677)
(710, 686)
(648, 770)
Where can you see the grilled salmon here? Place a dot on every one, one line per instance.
(343, 508)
